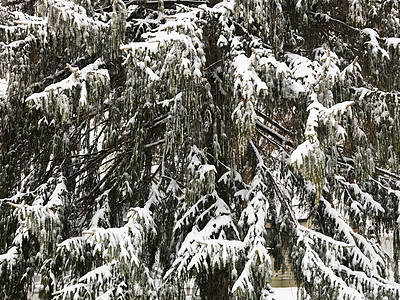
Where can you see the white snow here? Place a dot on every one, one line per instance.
(298, 155)
(56, 196)
(204, 169)
(222, 41)
(99, 274)
(77, 78)
(3, 88)
(394, 42)
(10, 256)
(289, 293)
(373, 42)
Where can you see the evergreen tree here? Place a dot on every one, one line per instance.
(145, 146)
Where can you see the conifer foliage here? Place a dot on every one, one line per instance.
(164, 149)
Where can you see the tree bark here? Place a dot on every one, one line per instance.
(214, 286)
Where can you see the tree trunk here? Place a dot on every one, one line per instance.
(215, 285)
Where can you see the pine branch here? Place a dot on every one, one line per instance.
(277, 136)
(350, 162)
(328, 18)
(271, 140)
(281, 198)
(61, 74)
(271, 121)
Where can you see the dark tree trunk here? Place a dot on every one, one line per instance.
(213, 2)
(215, 285)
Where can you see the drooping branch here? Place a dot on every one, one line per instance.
(277, 136)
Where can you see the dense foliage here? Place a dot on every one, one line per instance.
(145, 146)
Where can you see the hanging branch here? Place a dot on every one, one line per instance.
(281, 198)
(278, 137)
(271, 121)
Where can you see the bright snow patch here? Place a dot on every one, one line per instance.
(3, 88)
(285, 293)
(394, 42)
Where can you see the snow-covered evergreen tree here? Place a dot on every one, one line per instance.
(146, 145)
